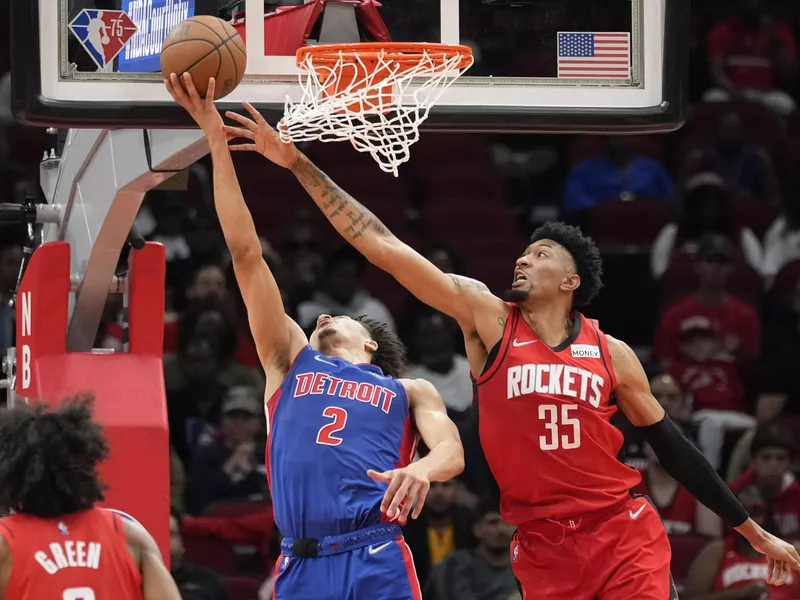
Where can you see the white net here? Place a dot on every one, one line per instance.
(376, 100)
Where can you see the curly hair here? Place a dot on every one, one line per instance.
(585, 254)
(391, 353)
(49, 458)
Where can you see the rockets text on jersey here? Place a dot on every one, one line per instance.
(328, 423)
(737, 570)
(81, 556)
(544, 423)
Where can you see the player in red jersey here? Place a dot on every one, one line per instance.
(729, 569)
(56, 544)
(545, 376)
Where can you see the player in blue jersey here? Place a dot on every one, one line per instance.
(342, 427)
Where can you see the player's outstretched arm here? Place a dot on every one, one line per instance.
(458, 297)
(157, 583)
(681, 459)
(278, 339)
(444, 461)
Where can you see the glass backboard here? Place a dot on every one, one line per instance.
(541, 65)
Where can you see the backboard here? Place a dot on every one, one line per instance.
(541, 65)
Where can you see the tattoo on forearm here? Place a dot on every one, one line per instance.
(466, 283)
(350, 217)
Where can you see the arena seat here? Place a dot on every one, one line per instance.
(454, 218)
(242, 588)
(787, 278)
(754, 213)
(628, 222)
(211, 552)
(495, 273)
(684, 550)
(591, 146)
(489, 245)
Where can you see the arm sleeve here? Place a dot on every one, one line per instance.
(689, 467)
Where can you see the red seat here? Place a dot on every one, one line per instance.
(495, 273)
(242, 588)
(448, 220)
(214, 553)
(507, 248)
(236, 509)
(684, 550)
(628, 222)
(787, 278)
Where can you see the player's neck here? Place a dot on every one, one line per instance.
(551, 322)
(357, 358)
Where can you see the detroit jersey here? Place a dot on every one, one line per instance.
(544, 424)
(328, 423)
(81, 556)
(737, 571)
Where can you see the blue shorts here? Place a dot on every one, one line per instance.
(369, 564)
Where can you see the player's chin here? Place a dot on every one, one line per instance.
(517, 294)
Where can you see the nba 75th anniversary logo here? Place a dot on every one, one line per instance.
(102, 33)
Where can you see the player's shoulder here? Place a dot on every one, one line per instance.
(619, 350)
(420, 390)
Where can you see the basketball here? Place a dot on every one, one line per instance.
(205, 47)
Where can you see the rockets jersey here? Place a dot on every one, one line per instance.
(737, 571)
(328, 423)
(543, 416)
(679, 514)
(80, 556)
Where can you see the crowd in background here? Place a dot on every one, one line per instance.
(700, 234)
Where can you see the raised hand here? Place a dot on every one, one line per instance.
(265, 140)
(405, 486)
(202, 110)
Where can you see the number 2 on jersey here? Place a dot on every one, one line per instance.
(81, 593)
(555, 439)
(325, 435)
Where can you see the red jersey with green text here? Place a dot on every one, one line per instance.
(544, 425)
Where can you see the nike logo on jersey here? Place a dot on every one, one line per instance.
(635, 515)
(322, 360)
(517, 344)
(376, 549)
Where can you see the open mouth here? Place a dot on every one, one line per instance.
(519, 278)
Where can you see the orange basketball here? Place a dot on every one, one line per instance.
(206, 47)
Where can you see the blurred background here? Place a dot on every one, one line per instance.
(700, 236)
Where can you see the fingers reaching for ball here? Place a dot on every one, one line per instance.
(202, 110)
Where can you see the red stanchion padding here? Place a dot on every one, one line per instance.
(42, 308)
(147, 270)
(130, 403)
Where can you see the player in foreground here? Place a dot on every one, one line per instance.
(340, 424)
(56, 544)
(545, 375)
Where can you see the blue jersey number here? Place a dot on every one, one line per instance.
(326, 435)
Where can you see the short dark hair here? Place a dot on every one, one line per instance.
(772, 435)
(584, 252)
(391, 353)
(49, 458)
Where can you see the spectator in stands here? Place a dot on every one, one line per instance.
(193, 407)
(619, 174)
(779, 384)
(678, 509)
(10, 261)
(193, 581)
(177, 482)
(479, 573)
(669, 394)
(232, 466)
(772, 451)
(751, 55)
(443, 527)
(218, 325)
(169, 209)
(715, 381)
(342, 292)
(730, 569)
(745, 169)
(706, 210)
(782, 240)
(735, 324)
(205, 239)
(434, 346)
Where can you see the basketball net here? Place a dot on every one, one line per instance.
(374, 95)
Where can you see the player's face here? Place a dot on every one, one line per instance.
(341, 332)
(544, 270)
(770, 465)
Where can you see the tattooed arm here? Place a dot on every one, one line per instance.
(460, 297)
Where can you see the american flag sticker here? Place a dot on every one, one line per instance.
(594, 55)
